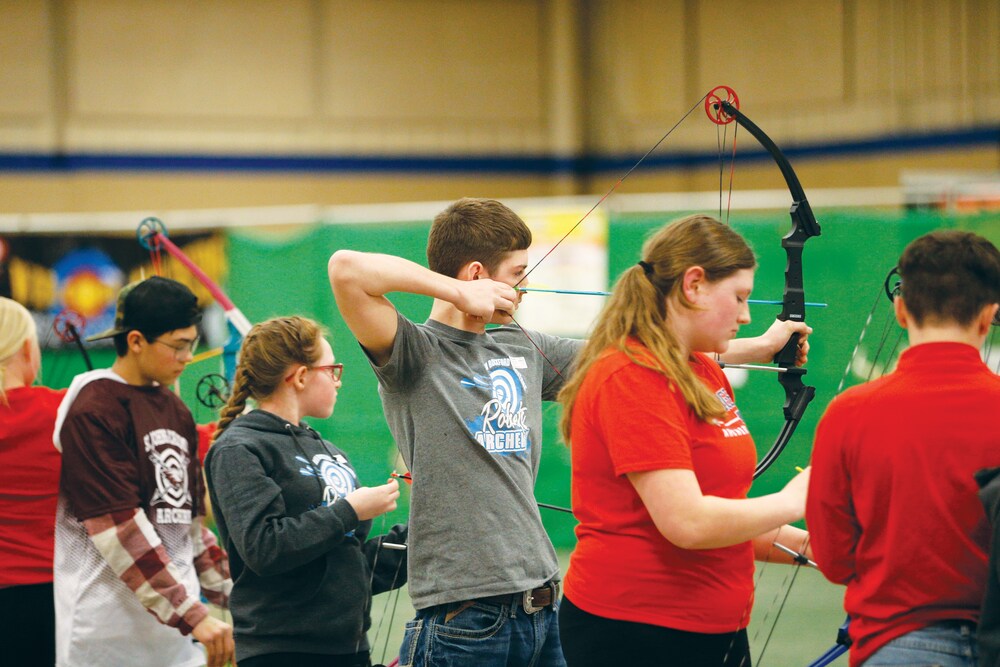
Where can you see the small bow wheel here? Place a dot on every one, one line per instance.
(149, 228)
(68, 324)
(713, 104)
(212, 391)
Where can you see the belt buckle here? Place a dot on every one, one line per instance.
(528, 601)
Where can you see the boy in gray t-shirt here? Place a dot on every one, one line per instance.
(464, 406)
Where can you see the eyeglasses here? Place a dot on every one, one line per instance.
(180, 350)
(334, 370)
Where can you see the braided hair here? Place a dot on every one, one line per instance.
(269, 349)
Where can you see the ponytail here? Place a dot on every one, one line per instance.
(637, 309)
(269, 350)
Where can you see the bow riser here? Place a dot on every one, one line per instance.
(798, 395)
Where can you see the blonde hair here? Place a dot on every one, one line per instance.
(269, 349)
(16, 326)
(637, 308)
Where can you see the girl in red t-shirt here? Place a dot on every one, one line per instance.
(29, 485)
(662, 462)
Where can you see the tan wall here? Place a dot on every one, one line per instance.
(473, 77)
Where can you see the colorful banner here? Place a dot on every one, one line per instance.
(58, 274)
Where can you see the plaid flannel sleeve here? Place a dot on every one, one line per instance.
(131, 546)
(212, 565)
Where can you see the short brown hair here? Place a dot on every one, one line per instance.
(474, 230)
(949, 276)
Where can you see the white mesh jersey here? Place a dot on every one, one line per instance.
(99, 621)
(123, 447)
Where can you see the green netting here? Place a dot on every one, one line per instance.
(845, 268)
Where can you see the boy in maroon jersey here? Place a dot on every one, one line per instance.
(131, 554)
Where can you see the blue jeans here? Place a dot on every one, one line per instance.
(948, 644)
(482, 633)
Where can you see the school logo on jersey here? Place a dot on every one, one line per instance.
(168, 452)
(734, 426)
(334, 472)
(502, 425)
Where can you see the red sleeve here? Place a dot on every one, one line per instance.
(833, 529)
(133, 550)
(212, 565)
(205, 433)
(99, 470)
(642, 434)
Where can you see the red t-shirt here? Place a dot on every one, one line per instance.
(29, 485)
(893, 510)
(628, 418)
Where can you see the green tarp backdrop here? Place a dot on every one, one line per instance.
(845, 268)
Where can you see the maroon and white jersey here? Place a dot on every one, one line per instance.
(126, 448)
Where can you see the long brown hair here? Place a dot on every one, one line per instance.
(637, 308)
(269, 349)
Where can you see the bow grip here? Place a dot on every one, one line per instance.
(786, 355)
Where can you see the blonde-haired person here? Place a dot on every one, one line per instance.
(662, 462)
(29, 479)
(291, 512)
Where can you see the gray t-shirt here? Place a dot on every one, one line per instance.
(465, 410)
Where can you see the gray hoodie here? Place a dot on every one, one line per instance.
(300, 560)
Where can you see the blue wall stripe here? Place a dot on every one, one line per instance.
(497, 164)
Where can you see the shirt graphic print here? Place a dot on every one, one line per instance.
(168, 452)
(501, 426)
(334, 472)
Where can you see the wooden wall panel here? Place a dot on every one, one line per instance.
(435, 75)
(462, 78)
(26, 87)
(189, 59)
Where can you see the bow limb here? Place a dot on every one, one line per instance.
(798, 395)
(153, 236)
(233, 314)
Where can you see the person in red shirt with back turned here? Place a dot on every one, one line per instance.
(892, 507)
(29, 486)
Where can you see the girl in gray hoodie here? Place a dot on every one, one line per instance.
(291, 512)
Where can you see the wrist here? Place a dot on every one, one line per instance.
(346, 513)
(195, 614)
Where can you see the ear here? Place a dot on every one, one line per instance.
(986, 316)
(133, 338)
(473, 271)
(692, 281)
(902, 314)
(298, 377)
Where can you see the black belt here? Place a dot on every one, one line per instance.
(532, 601)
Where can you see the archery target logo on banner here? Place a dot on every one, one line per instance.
(502, 425)
(168, 452)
